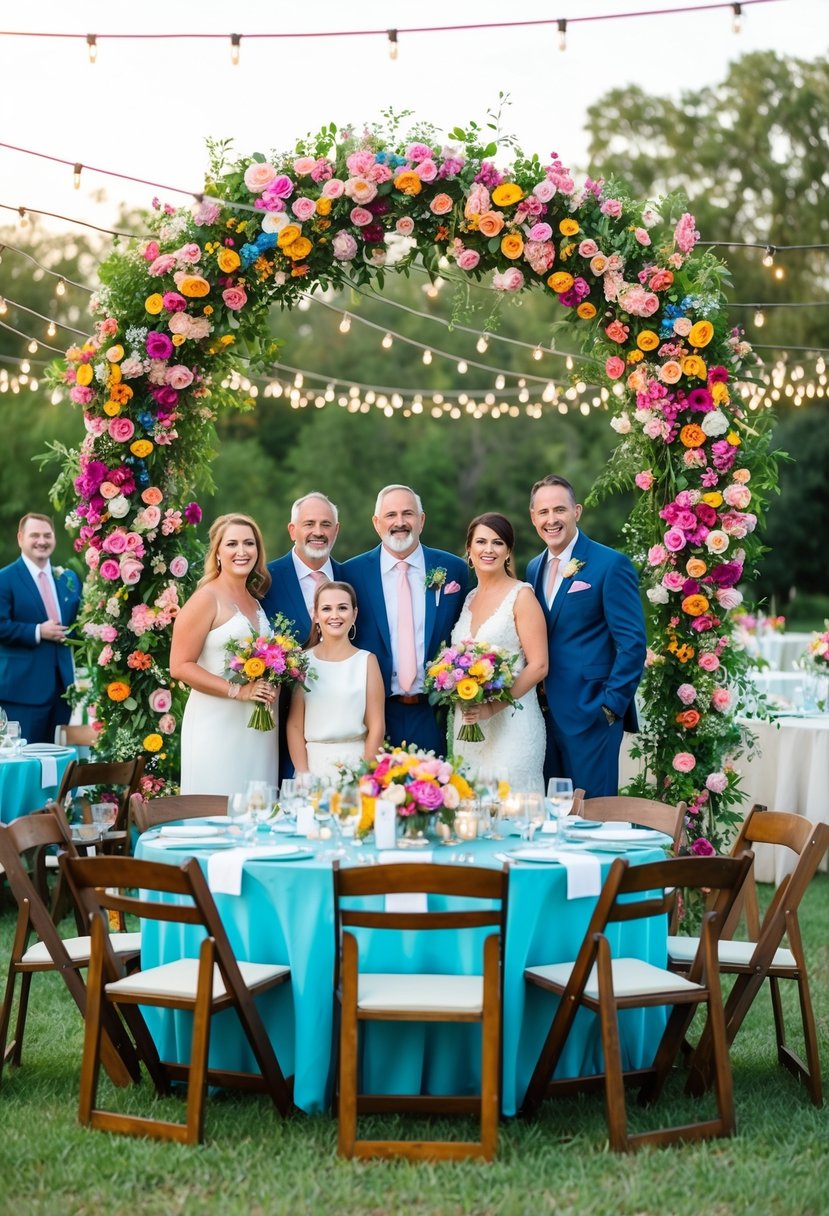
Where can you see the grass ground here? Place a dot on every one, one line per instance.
(252, 1162)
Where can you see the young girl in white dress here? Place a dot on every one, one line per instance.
(338, 717)
(220, 753)
(501, 611)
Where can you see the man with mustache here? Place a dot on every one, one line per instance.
(409, 598)
(294, 579)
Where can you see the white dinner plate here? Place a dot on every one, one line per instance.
(282, 852)
(546, 856)
(634, 836)
(187, 831)
(203, 842)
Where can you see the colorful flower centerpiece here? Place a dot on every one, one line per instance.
(816, 657)
(471, 673)
(420, 784)
(276, 657)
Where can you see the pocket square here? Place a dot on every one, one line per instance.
(578, 586)
(451, 588)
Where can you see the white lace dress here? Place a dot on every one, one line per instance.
(220, 753)
(514, 739)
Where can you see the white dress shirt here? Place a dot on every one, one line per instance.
(417, 581)
(35, 573)
(307, 582)
(564, 557)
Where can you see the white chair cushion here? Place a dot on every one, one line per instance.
(78, 948)
(737, 954)
(631, 977)
(380, 993)
(180, 979)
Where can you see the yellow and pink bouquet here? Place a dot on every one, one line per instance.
(276, 657)
(471, 673)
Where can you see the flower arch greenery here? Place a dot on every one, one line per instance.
(178, 311)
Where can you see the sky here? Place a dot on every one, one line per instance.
(145, 108)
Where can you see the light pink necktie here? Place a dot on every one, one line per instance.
(551, 577)
(319, 578)
(406, 650)
(45, 589)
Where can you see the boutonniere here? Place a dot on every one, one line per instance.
(572, 567)
(58, 571)
(435, 578)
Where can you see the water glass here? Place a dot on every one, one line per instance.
(536, 812)
(560, 796)
(240, 822)
(104, 815)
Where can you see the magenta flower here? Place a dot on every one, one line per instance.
(158, 345)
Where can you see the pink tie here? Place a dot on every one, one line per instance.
(45, 589)
(319, 578)
(406, 651)
(551, 577)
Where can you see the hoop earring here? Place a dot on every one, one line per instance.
(218, 563)
(469, 561)
(352, 633)
(506, 565)
(319, 631)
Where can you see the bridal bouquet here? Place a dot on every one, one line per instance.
(471, 673)
(276, 657)
(419, 783)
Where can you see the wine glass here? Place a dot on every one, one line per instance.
(104, 815)
(237, 813)
(536, 812)
(560, 797)
(13, 734)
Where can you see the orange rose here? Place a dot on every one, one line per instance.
(194, 286)
(647, 340)
(441, 204)
(701, 333)
(228, 260)
(112, 409)
(298, 249)
(692, 436)
(288, 235)
(141, 448)
(586, 310)
(506, 194)
(560, 282)
(152, 496)
(408, 182)
(689, 718)
(84, 374)
(490, 223)
(121, 393)
(153, 304)
(695, 567)
(695, 605)
(323, 206)
(568, 227)
(115, 374)
(118, 690)
(512, 245)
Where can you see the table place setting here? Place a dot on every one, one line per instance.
(224, 869)
(584, 873)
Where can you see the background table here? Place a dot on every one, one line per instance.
(21, 783)
(285, 914)
(780, 650)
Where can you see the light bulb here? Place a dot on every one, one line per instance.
(562, 34)
(462, 366)
(92, 47)
(538, 353)
(345, 324)
(387, 341)
(52, 330)
(482, 345)
(76, 176)
(32, 347)
(759, 318)
(499, 382)
(235, 42)
(24, 219)
(25, 367)
(392, 44)
(768, 260)
(568, 363)
(60, 289)
(3, 307)
(779, 272)
(427, 357)
(736, 20)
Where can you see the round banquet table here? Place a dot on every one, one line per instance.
(29, 781)
(285, 913)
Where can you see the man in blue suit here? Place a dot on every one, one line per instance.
(38, 605)
(294, 579)
(597, 644)
(409, 598)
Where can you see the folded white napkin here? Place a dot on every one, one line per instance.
(48, 772)
(584, 873)
(405, 901)
(224, 870)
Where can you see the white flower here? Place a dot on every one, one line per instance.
(275, 221)
(621, 424)
(650, 216)
(395, 794)
(657, 595)
(715, 423)
(717, 541)
(118, 507)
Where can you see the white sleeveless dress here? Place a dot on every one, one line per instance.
(335, 710)
(220, 753)
(515, 739)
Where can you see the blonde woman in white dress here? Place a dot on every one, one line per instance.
(220, 753)
(339, 717)
(501, 611)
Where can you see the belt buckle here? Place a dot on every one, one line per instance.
(410, 698)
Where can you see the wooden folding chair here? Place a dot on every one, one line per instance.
(597, 981)
(152, 812)
(24, 846)
(642, 811)
(205, 985)
(365, 996)
(763, 957)
(126, 775)
(76, 734)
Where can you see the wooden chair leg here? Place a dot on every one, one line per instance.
(614, 1085)
(200, 1046)
(349, 1036)
(22, 1010)
(720, 1060)
(490, 1051)
(91, 1059)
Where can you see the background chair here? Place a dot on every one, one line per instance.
(597, 981)
(147, 813)
(126, 776)
(763, 957)
(79, 735)
(205, 985)
(642, 811)
(24, 844)
(416, 997)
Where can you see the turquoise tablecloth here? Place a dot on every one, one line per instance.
(21, 783)
(285, 914)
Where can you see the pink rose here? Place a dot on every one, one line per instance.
(737, 496)
(708, 661)
(235, 298)
(121, 429)
(612, 207)
(657, 554)
(259, 175)
(304, 165)
(544, 191)
(721, 699)
(303, 208)
(541, 232)
(729, 597)
(190, 253)
(674, 540)
(673, 580)
(468, 259)
(149, 518)
(344, 246)
(405, 225)
(361, 217)
(426, 170)
(644, 480)
(160, 700)
(508, 280)
(179, 566)
(151, 251)
(614, 367)
(131, 571)
(684, 762)
(110, 570)
(108, 633)
(360, 190)
(116, 542)
(717, 783)
(333, 188)
(178, 376)
(588, 249)
(163, 264)
(167, 724)
(687, 694)
(642, 235)
(441, 204)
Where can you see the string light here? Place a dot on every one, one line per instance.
(76, 176)
(32, 347)
(392, 34)
(24, 221)
(60, 287)
(52, 330)
(538, 353)
(562, 33)
(92, 46)
(345, 324)
(235, 44)
(463, 367)
(779, 273)
(768, 260)
(427, 357)
(387, 341)
(737, 18)
(3, 307)
(759, 318)
(482, 345)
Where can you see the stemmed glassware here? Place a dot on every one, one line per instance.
(560, 796)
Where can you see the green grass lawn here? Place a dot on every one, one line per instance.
(252, 1162)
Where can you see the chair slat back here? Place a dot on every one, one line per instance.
(75, 735)
(642, 811)
(22, 845)
(417, 877)
(126, 774)
(150, 813)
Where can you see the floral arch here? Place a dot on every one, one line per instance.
(176, 312)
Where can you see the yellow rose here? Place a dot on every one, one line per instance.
(713, 499)
(153, 304)
(701, 333)
(647, 340)
(408, 182)
(288, 235)
(560, 282)
(323, 206)
(733, 438)
(467, 690)
(506, 194)
(141, 448)
(568, 227)
(298, 249)
(253, 668)
(194, 286)
(692, 365)
(178, 339)
(153, 743)
(115, 353)
(115, 375)
(719, 392)
(586, 310)
(635, 356)
(112, 409)
(228, 260)
(84, 374)
(512, 245)
(367, 808)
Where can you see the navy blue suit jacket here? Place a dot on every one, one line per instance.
(30, 670)
(285, 593)
(442, 610)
